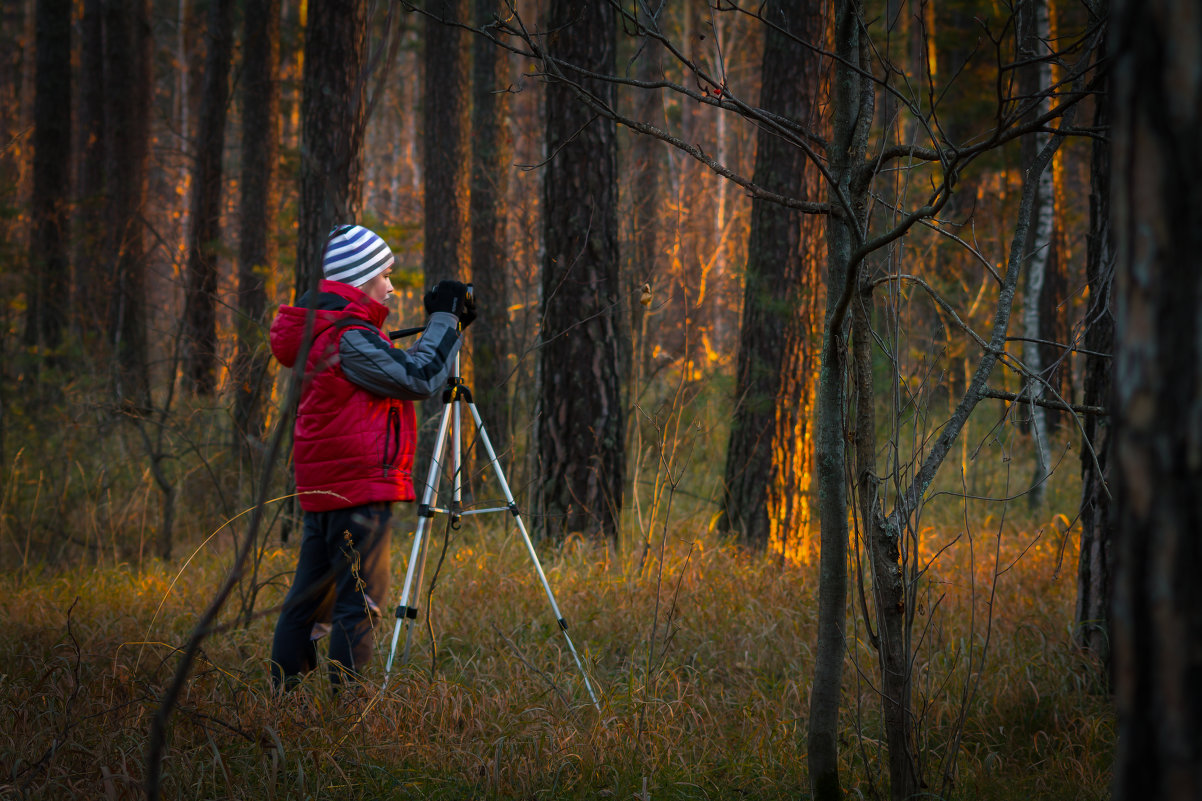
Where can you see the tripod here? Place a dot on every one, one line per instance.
(449, 433)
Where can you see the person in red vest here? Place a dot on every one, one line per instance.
(354, 441)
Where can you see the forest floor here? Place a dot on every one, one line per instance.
(700, 656)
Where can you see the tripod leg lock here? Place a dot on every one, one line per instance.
(425, 510)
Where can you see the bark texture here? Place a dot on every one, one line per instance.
(492, 149)
(766, 498)
(332, 120)
(585, 358)
(200, 309)
(127, 92)
(1158, 399)
(257, 244)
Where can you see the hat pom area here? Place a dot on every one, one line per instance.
(355, 255)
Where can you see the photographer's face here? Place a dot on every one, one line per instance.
(379, 287)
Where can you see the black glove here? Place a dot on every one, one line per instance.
(453, 297)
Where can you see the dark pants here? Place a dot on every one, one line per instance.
(342, 576)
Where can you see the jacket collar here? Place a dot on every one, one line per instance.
(357, 301)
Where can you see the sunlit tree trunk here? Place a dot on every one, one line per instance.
(1157, 397)
(200, 307)
(46, 311)
(257, 247)
(332, 121)
(492, 151)
(767, 472)
(127, 92)
(585, 357)
(1094, 562)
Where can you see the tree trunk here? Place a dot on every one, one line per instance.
(1157, 397)
(766, 485)
(852, 112)
(445, 149)
(1094, 563)
(91, 279)
(445, 152)
(257, 246)
(127, 92)
(200, 308)
(492, 151)
(1032, 31)
(332, 122)
(47, 289)
(585, 357)
(644, 160)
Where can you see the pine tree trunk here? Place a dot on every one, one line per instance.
(492, 150)
(332, 121)
(585, 357)
(445, 152)
(91, 281)
(127, 92)
(47, 289)
(257, 246)
(200, 310)
(766, 484)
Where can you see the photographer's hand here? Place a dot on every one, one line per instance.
(453, 297)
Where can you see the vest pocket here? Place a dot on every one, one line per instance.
(392, 439)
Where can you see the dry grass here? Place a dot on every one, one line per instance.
(713, 705)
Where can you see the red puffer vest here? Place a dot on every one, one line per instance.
(351, 446)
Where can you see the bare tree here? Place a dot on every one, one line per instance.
(1095, 564)
(1032, 29)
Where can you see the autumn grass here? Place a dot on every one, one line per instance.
(707, 700)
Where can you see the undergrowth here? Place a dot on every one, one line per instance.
(712, 703)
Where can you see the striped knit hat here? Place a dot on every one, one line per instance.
(355, 255)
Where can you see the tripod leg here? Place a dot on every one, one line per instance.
(538, 568)
(404, 612)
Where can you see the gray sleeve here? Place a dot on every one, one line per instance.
(411, 374)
